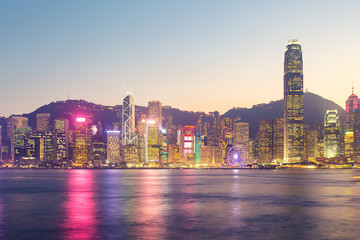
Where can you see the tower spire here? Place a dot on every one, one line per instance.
(352, 88)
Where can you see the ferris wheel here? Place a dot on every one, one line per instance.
(237, 157)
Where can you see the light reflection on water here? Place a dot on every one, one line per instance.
(179, 204)
(81, 219)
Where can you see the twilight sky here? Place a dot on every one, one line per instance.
(200, 55)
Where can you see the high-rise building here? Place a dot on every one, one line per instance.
(332, 134)
(13, 123)
(80, 142)
(187, 144)
(128, 121)
(271, 140)
(227, 131)
(98, 151)
(310, 144)
(153, 141)
(241, 135)
(113, 147)
(293, 103)
(352, 105)
(43, 122)
(61, 132)
(155, 112)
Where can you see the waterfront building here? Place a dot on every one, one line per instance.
(187, 144)
(130, 155)
(241, 135)
(293, 103)
(141, 132)
(174, 155)
(113, 147)
(23, 147)
(98, 153)
(128, 121)
(43, 122)
(61, 132)
(271, 140)
(155, 112)
(352, 105)
(332, 134)
(153, 141)
(310, 144)
(356, 154)
(13, 123)
(80, 142)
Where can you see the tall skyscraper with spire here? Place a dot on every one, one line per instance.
(128, 121)
(352, 105)
(293, 103)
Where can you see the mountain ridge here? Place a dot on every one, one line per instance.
(315, 108)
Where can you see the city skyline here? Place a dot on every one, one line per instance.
(201, 56)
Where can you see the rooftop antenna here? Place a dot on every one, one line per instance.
(68, 96)
(352, 88)
(128, 88)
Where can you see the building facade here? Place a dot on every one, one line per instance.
(332, 134)
(293, 103)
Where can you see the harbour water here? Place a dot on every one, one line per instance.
(180, 204)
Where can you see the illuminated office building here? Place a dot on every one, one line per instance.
(153, 141)
(227, 131)
(187, 144)
(98, 151)
(80, 142)
(128, 121)
(352, 105)
(155, 112)
(310, 144)
(332, 134)
(113, 147)
(43, 122)
(141, 131)
(241, 135)
(13, 123)
(21, 144)
(271, 140)
(61, 132)
(293, 103)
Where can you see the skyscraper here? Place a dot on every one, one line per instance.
(13, 123)
(80, 142)
(332, 134)
(352, 105)
(293, 103)
(61, 132)
(271, 140)
(155, 112)
(128, 121)
(241, 135)
(113, 147)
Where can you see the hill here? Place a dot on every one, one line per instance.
(315, 108)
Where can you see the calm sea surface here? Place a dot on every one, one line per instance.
(179, 204)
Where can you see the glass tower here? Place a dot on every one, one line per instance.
(293, 103)
(128, 121)
(332, 134)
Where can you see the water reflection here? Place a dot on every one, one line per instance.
(152, 205)
(80, 206)
(1, 219)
